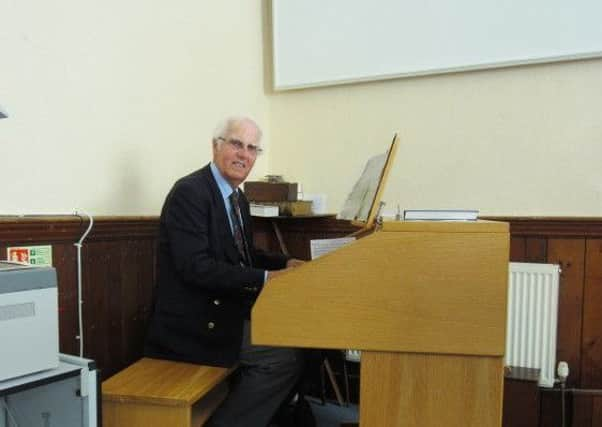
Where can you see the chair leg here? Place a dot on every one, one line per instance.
(333, 382)
(322, 384)
(346, 379)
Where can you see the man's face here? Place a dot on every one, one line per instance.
(235, 162)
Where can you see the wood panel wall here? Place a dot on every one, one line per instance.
(119, 273)
(576, 245)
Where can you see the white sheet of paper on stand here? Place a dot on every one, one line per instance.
(319, 247)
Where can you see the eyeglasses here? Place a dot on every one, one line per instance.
(238, 145)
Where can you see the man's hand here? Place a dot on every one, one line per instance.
(274, 273)
(290, 264)
(294, 262)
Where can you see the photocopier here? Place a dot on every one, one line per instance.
(28, 319)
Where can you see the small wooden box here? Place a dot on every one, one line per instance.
(259, 191)
(298, 208)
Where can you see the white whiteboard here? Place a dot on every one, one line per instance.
(322, 42)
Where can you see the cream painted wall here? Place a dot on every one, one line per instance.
(110, 101)
(517, 141)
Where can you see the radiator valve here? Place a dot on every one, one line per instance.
(563, 371)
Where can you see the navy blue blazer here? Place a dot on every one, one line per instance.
(203, 293)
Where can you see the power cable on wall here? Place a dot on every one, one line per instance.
(80, 304)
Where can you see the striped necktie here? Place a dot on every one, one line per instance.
(237, 230)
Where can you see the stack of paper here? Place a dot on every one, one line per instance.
(440, 214)
(263, 210)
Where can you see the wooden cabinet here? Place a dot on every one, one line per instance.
(426, 304)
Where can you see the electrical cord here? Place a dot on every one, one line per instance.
(78, 245)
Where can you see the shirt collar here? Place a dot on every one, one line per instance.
(224, 187)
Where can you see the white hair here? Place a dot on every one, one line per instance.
(225, 125)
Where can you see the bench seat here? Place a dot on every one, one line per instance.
(153, 392)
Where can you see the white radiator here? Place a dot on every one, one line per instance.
(532, 318)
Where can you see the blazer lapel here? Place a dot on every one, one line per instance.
(246, 219)
(230, 248)
(222, 222)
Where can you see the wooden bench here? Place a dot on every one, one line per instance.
(154, 392)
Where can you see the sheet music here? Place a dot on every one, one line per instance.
(359, 201)
(319, 247)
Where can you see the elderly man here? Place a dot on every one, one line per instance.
(209, 275)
